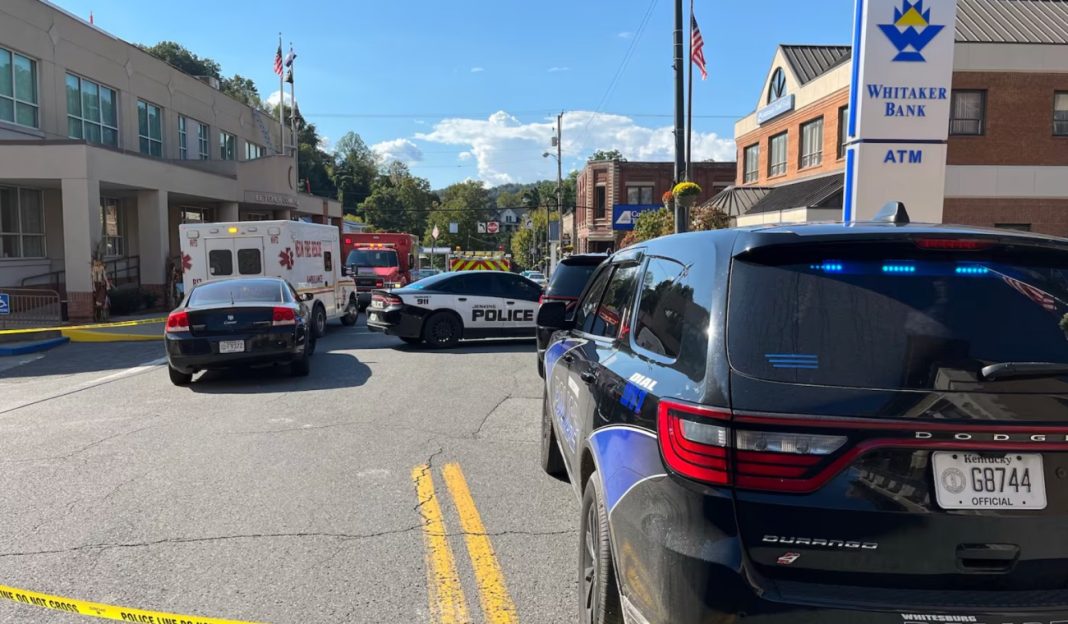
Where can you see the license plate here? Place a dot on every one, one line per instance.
(231, 346)
(378, 304)
(974, 481)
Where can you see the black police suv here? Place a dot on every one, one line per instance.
(818, 423)
(568, 279)
(443, 309)
(238, 322)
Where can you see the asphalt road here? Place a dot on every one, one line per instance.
(258, 497)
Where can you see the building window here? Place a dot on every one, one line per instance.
(751, 160)
(92, 112)
(150, 128)
(843, 130)
(21, 223)
(967, 112)
(1060, 113)
(18, 89)
(257, 215)
(777, 155)
(777, 86)
(182, 153)
(113, 227)
(204, 141)
(192, 214)
(227, 146)
(1023, 227)
(812, 143)
(640, 195)
(600, 198)
(253, 151)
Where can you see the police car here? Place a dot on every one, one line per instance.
(446, 308)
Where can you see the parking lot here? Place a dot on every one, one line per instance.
(391, 485)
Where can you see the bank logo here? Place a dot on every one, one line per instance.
(911, 31)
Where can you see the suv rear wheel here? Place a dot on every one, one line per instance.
(599, 594)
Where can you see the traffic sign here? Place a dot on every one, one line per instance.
(481, 227)
(435, 233)
(5, 303)
(454, 227)
(493, 227)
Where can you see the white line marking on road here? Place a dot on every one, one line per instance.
(140, 368)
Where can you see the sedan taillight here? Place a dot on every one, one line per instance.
(700, 443)
(283, 316)
(177, 322)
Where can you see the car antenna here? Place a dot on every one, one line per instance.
(893, 212)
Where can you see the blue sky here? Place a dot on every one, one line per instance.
(470, 88)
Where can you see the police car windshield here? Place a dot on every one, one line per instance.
(237, 291)
(890, 317)
(372, 258)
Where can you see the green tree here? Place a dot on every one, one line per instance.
(354, 171)
(607, 155)
(465, 204)
(528, 244)
(653, 224)
(182, 59)
(242, 89)
(399, 201)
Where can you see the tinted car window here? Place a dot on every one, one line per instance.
(237, 291)
(569, 279)
(248, 262)
(615, 305)
(588, 305)
(662, 308)
(372, 258)
(220, 262)
(893, 317)
(520, 288)
(455, 284)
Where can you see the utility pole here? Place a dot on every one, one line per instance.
(560, 176)
(680, 117)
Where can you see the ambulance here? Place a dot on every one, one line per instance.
(307, 255)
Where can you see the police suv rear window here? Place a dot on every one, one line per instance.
(895, 316)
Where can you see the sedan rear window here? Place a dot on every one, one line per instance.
(237, 291)
(894, 317)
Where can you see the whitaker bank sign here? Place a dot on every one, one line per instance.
(899, 104)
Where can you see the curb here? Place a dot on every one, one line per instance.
(43, 345)
(89, 335)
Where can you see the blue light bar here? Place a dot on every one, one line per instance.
(828, 266)
(972, 270)
(899, 268)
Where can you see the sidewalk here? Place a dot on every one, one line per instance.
(140, 327)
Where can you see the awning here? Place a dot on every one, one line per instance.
(737, 200)
(821, 192)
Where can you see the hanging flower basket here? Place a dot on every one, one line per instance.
(686, 193)
(667, 199)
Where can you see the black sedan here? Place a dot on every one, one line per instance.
(238, 322)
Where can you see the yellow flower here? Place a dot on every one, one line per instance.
(683, 189)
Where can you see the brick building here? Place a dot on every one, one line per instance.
(601, 185)
(1007, 163)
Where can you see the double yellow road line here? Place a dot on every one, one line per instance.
(447, 602)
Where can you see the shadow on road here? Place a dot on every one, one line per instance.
(75, 358)
(466, 347)
(328, 371)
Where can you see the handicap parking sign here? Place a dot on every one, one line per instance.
(5, 303)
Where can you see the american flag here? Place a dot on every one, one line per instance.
(697, 47)
(1037, 295)
(278, 61)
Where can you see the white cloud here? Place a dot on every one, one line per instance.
(476, 70)
(272, 99)
(465, 155)
(507, 150)
(626, 34)
(553, 70)
(398, 149)
(326, 144)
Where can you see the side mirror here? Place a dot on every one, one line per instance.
(553, 315)
(346, 270)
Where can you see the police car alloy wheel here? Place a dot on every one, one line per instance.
(598, 594)
(442, 330)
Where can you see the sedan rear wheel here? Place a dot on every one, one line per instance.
(302, 365)
(442, 330)
(179, 378)
(599, 594)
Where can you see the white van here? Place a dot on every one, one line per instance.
(307, 255)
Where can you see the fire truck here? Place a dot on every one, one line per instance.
(304, 254)
(479, 261)
(379, 260)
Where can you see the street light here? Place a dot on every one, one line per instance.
(559, 189)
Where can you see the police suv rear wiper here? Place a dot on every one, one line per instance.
(1016, 370)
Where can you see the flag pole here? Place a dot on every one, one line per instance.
(292, 100)
(281, 99)
(689, 106)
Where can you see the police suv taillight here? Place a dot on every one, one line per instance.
(700, 443)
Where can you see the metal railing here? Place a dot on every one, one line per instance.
(125, 270)
(29, 307)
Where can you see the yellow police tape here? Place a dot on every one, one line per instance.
(107, 612)
(35, 330)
